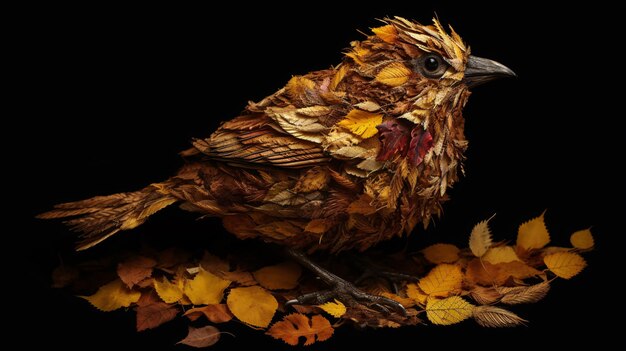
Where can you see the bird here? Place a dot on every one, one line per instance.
(338, 159)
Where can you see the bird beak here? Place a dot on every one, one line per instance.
(481, 70)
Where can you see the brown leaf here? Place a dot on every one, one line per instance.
(362, 205)
(524, 294)
(201, 337)
(281, 276)
(135, 269)
(441, 253)
(152, 315)
(485, 273)
(495, 317)
(296, 325)
(485, 296)
(218, 313)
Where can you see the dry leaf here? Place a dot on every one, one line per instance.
(296, 325)
(281, 276)
(135, 269)
(205, 288)
(153, 315)
(252, 305)
(448, 311)
(217, 313)
(495, 317)
(362, 123)
(500, 254)
(582, 239)
(414, 292)
(441, 253)
(201, 337)
(442, 280)
(394, 74)
(480, 238)
(565, 264)
(362, 205)
(318, 226)
(485, 273)
(533, 234)
(485, 296)
(112, 296)
(168, 292)
(524, 294)
(387, 33)
(335, 309)
(404, 301)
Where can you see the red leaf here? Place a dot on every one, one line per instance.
(421, 143)
(153, 315)
(135, 269)
(394, 137)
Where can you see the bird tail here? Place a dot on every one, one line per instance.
(100, 217)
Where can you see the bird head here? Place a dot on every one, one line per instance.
(419, 75)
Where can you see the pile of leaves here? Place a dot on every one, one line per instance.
(450, 286)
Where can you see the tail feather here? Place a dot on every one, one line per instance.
(100, 217)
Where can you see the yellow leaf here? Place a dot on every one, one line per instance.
(448, 311)
(441, 253)
(338, 77)
(533, 234)
(362, 123)
(394, 74)
(415, 293)
(297, 325)
(168, 292)
(335, 309)
(387, 33)
(565, 264)
(252, 305)
(112, 296)
(480, 238)
(500, 254)
(205, 288)
(582, 239)
(442, 280)
(281, 276)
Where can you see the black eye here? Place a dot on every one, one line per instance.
(431, 66)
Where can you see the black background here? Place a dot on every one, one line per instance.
(106, 97)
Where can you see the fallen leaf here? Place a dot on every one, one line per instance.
(252, 305)
(135, 269)
(281, 276)
(448, 311)
(565, 264)
(112, 296)
(500, 254)
(414, 292)
(487, 274)
(496, 317)
(168, 292)
(480, 238)
(406, 302)
(387, 33)
(533, 234)
(201, 337)
(442, 280)
(362, 123)
(524, 294)
(217, 313)
(394, 74)
(296, 325)
(485, 296)
(205, 288)
(582, 239)
(335, 309)
(153, 315)
(441, 253)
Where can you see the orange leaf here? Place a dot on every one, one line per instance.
(362, 206)
(252, 305)
(296, 325)
(217, 313)
(281, 276)
(441, 253)
(442, 281)
(485, 273)
(387, 33)
(362, 123)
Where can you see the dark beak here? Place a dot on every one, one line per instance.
(481, 70)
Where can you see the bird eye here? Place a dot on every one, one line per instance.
(431, 66)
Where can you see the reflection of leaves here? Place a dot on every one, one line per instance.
(252, 305)
(297, 325)
(334, 308)
(201, 337)
(565, 264)
(448, 311)
(442, 280)
(112, 296)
